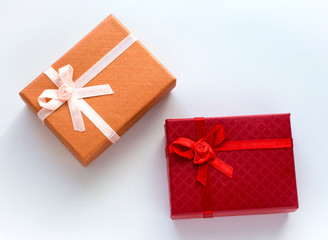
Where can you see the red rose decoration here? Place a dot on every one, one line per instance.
(203, 152)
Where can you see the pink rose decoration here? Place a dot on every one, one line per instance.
(65, 92)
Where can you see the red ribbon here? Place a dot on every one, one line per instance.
(203, 151)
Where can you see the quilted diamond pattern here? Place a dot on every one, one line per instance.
(263, 182)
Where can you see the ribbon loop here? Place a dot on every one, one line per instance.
(49, 93)
(184, 147)
(216, 136)
(66, 75)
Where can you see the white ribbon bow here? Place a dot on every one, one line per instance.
(74, 92)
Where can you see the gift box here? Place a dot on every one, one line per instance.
(100, 88)
(230, 166)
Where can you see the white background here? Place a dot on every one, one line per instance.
(230, 58)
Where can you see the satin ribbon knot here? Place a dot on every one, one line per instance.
(67, 91)
(202, 152)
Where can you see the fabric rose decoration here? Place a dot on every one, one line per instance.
(65, 92)
(203, 152)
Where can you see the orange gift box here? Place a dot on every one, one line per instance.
(136, 77)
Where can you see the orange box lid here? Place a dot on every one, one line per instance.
(138, 80)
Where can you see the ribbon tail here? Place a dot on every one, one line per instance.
(94, 91)
(98, 121)
(76, 115)
(202, 173)
(222, 167)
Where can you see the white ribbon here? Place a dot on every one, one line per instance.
(74, 92)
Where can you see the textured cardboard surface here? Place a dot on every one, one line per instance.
(138, 80)
(263, 181)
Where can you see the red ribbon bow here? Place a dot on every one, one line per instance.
(202, 152)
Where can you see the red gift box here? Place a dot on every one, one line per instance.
(230, 166)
